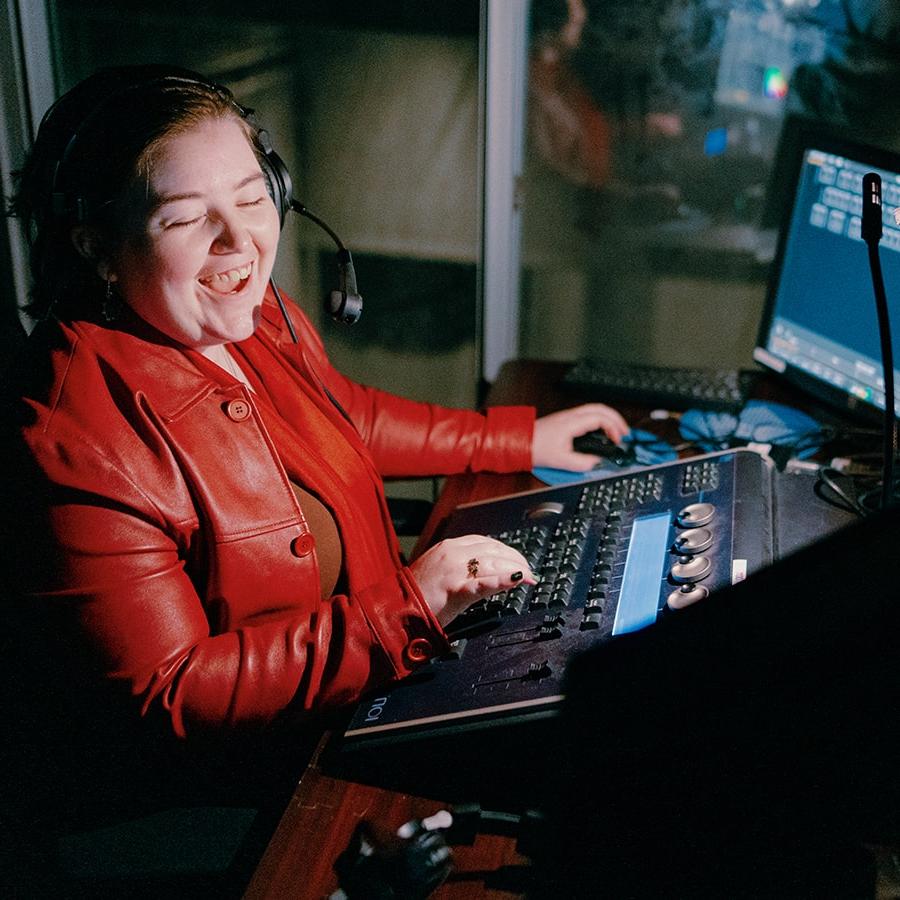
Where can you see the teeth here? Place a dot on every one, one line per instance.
(232, 276)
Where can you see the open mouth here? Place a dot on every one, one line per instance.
(232, 281)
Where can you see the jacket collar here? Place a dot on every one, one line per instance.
(158, 367)
(151, 364)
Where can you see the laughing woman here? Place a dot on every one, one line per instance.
(201, 561)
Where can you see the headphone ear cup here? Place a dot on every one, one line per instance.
(278, 179)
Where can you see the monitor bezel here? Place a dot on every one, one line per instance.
(797, 136)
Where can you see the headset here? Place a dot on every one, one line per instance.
(343, 304)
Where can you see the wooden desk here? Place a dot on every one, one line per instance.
(324, 811)
(319, 823)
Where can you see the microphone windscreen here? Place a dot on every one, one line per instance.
(871, 208)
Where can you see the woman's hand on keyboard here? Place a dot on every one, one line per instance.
(456, 572)
(553, 435)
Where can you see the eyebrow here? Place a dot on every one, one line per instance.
(193, 195)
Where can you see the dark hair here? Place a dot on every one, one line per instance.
(91, 163)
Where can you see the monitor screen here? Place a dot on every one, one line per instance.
(820, 329)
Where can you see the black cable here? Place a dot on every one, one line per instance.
(828, 487)
(284, 312)
(301, 210)
(838, 496)
(290, 325)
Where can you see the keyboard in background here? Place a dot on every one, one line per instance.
(722, 390)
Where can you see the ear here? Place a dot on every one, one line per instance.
(89, 244)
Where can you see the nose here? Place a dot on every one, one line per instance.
(232, 236)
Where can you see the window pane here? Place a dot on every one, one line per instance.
(648, 221)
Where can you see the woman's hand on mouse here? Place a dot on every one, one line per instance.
(553, 435)
(456, 572)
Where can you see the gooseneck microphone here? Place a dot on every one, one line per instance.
(871, 231)
(345, 303)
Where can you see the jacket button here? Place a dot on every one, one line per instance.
(419, 650)
(237, 410)
(303, 545)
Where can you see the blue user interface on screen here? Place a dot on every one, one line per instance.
(823, 320)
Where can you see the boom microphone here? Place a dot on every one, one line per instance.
(344, 304)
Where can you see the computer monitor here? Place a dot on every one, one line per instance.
(820, 326)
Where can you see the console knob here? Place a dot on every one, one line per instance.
(686, 595)
(695, 570)
(543, 510)
(694, 541)
(695, 515)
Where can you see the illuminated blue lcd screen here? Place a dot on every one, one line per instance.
(639, 594)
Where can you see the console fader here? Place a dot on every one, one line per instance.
(612, 556)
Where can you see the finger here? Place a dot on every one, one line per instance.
(591, 410)
(599, 415)
(506, 555)
(511, 570)
(475, 589)
(487, 547)
(612, 423)
(493, 558)
(468, 540)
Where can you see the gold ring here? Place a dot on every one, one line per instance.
(472, 567)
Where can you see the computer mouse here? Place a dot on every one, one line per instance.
(598, 443)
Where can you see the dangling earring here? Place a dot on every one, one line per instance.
(110, 308)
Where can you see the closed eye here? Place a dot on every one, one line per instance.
(258, 202)
(186, 222)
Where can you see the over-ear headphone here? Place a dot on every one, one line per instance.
(343, 304)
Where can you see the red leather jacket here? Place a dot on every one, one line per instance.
(166, 538)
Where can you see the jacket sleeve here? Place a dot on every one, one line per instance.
(408, 438)
(104, 570)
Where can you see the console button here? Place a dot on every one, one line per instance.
(695, 570)
(695, 515)
(686, 595)
(696, 540)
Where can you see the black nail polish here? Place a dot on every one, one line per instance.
(516, 576)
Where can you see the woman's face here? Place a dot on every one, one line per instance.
(197, 267)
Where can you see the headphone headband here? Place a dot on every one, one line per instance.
(72, 204)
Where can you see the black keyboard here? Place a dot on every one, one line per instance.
(723, 390)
